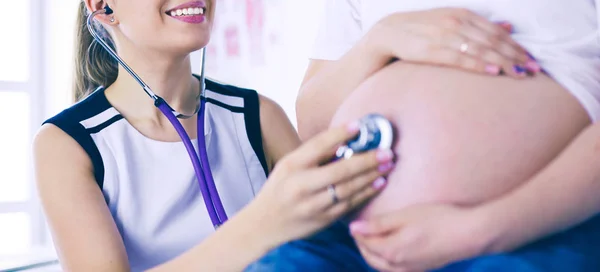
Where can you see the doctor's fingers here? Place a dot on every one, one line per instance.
(319, 149)
(341, 197)
(348, 169)
(354, 199)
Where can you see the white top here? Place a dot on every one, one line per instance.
(150, 186)
(563, 35)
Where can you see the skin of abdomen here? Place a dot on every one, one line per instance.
(463, 138)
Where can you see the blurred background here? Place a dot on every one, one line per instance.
(263, 44)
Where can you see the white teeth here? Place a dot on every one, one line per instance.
(187, 11)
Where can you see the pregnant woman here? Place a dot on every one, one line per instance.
(465, 138)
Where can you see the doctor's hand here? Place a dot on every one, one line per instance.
(420, 238)
(452, 37)
(306, 191)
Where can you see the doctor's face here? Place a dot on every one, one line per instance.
(171, 26)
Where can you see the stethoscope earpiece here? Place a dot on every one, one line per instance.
(108, 10)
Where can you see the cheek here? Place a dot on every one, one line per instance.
(140, 25)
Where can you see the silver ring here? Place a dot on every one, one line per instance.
(333, 194)
(464, 47)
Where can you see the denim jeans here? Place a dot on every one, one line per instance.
(333, 249)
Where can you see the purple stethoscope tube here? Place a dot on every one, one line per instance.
(213, 203)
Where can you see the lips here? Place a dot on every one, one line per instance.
(190, 12)
(184, 9)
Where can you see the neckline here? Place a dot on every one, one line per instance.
(207, 126)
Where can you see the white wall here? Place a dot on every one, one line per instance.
(287, 37)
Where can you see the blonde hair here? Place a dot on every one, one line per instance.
(94, 67)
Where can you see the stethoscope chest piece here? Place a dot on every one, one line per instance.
(375, 132)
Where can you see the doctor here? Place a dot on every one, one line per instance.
(117, 185)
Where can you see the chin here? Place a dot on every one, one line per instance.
(188, 45)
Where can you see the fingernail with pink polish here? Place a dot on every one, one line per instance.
(379, 183)
(533, 66)
(492, 70)
(353, 127)
(506, 25)
(384, 168)
(358, 227)
(384, 155)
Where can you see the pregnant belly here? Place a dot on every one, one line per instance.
(463, 138)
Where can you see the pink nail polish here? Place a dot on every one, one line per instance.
(358, 227)
(506, 25)
(533, 66)
(353, 127)
(384, 168)
(379, 183)
(384, 156)
(492, 69)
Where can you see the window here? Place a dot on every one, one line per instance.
(25, 96)
(20, 111)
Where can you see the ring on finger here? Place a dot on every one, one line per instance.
(464, 47)
(334, 197)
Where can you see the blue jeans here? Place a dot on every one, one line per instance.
(333, 249)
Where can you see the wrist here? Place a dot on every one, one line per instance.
(259, 228)
(375, 46)
(488, 228)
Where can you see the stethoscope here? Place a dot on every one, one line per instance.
(375, 132)
(216, 212)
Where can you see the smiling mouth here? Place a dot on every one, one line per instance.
(191, 11)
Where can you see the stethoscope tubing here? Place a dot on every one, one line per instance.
(200, 162)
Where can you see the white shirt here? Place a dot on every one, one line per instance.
(150, 186)
(562, 35)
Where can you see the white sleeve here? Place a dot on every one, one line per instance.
(598, 12)
(339, 30)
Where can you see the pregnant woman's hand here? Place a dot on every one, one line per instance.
(305, 192)
(420, 238)
(452, 37)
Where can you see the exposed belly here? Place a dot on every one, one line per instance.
(463, 138)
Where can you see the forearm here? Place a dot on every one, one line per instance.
(562, 195)
(321, 95)
(232, 247)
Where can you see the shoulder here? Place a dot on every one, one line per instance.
(215, 87)
(231, 97)
(55, 152)
(77, 115)
(67, 135)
